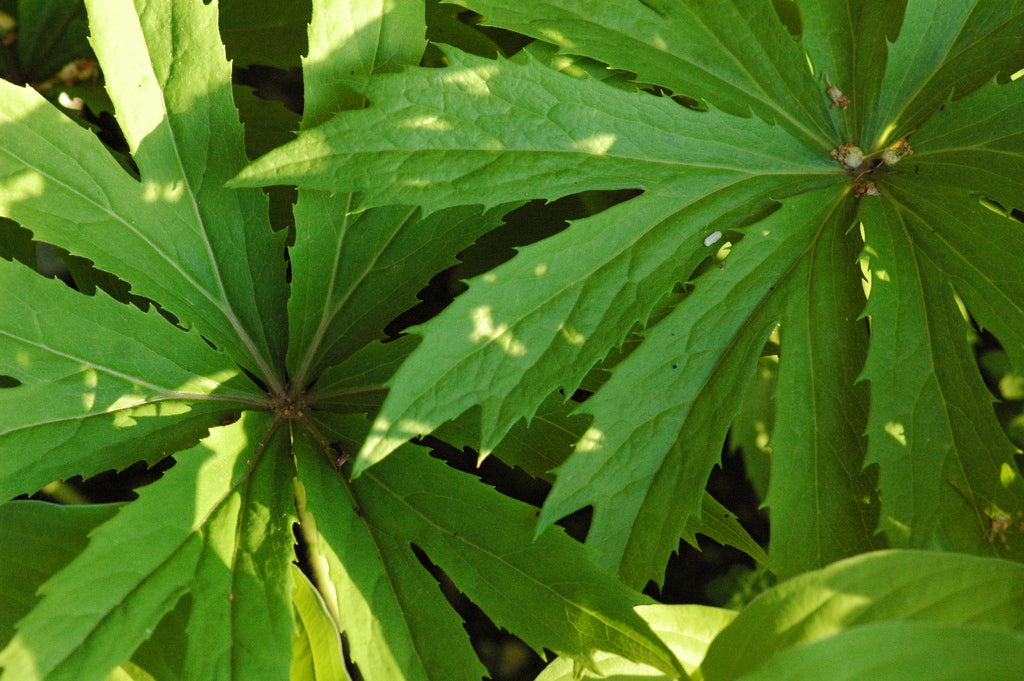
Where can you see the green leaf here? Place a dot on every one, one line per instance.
(39, 539)
(943, 50)
(574, 608)
(51, 33)
(823, 504)
(369, 263)
(644, 463)
(270, 32)
(316, 648)
(847, 47)
(901, 651)
(97, 610)
(975, 146)
(356, 272)
(99, 384)
(687, 629)
(242, 619)
(388, 606)
(577, 295)
(566, 603)
(206, 253)
(735, 54)
(489, 132)
(931, 429)
(887, 586)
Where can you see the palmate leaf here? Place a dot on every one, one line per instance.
(90, 383)
(484, 132)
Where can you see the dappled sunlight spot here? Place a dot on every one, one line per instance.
(90, 379)
(763, 434)
(895, 430)
(158, 192)
(1011, 387)
(22, 186)
(208, 383)
(557, 37)
(127, 408)
(22, 358)
(880, 275)
(591, 441)
(898, 532)
(880, 141)
(431, 122)
(20, 657)
(598, 144)
(227, 450)
(571, 335)
(841, 606)
(484, 328)
(1007, 475)
(472, 81)
(407, 427)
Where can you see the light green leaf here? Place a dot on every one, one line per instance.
(944, 49)
(98, 609)
(488, 132)
(736, 54)
(316, 648)
(644, 463)
(823, 505)
(206, 253)
(242, 619)
(687, 629)
(902, 651)
(886, 586)
(100, 384)
(388, 606)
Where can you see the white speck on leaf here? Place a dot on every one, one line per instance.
(712, 238)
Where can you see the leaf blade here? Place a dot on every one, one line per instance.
(736, 55)
(491, 132)
(95, 375)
